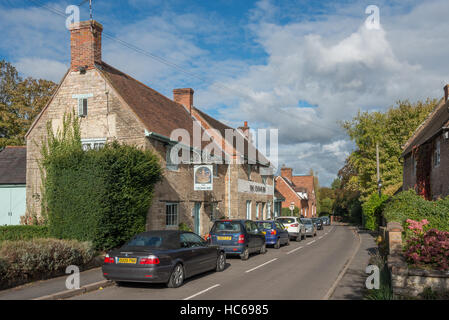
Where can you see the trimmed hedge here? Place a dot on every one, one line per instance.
(372, 211)
(409, 205)
(23, 232)
(23, 261)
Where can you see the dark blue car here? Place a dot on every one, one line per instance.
(238, 237)
(275, 233)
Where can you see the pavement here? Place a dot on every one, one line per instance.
(329, 265)
(352, 284)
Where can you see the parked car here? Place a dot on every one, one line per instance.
(326, 220)
(295, 227)
(238, 237)
(163, 257)
(275, 233)
(310, 226)
(319, 223)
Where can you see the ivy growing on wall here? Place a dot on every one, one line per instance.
(98, 195)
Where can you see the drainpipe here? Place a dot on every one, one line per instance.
(229, 190)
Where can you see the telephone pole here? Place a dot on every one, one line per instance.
(379, 181)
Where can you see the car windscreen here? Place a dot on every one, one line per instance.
(226, 226)
(265, 225)
(286, 220)
(307, 221)
(156, 240)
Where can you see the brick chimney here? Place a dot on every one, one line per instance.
(184, 97)
(85, 44)
(245, 130)
(287, 173)
(446, 92)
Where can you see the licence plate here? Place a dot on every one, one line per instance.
(224, 238)
(127, 260)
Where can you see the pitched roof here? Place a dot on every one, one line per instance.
(157, 112)
(437, 119)
(249, 148)
(13, 165)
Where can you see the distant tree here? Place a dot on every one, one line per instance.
(390, 129)
(21, 100)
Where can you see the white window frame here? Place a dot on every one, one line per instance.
(248, 209)
(82, 110)
(168, 164)
(437, 154)
(175, 213)
(92, 143)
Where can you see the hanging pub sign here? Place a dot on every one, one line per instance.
(203, 177)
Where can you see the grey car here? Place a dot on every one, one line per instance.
(163, 257)
(310, 227)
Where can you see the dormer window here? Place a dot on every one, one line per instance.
(437, 154)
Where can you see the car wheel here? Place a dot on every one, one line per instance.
(278, 244)
(177, 277)
(263, 249)
(245, 254)
(221, 262)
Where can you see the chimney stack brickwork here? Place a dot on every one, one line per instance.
(287, 173)
(185, 97)
(85, 44)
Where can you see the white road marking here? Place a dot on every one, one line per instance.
(201, 292)
(320, 237)
(294, 250)
(261, 265)
(311, 242)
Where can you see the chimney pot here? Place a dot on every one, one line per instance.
(85, 44)
(185, 97)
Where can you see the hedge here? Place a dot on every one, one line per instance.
(409, 205)
(22, 232)
(101, 195)
(372, 211)
(22, 261)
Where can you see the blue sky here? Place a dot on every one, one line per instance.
(293, 65)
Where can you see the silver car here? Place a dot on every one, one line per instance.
(294, 226)
(310, 227)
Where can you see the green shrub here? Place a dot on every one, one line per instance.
(287, 212)
(184, 227)
(41, 258)
(22, 232)
(372, 211)
(101, 195)
(408, 205)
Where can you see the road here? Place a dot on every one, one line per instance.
(302, 270)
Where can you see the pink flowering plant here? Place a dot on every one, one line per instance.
(427, 247)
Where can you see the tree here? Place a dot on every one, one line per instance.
(391, 130)
(20, 102)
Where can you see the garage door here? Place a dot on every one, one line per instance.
(12, 204)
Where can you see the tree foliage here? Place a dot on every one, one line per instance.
(391, 130)
(21, 100)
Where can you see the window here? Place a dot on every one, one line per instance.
(249, 169)
(248, 209)
(215, 170)
(436, 154)
(93, 144)
(190, 240)
(264, 179)
(82, 107)
(257, 210)
(169, 163)
(414, 165)
(171, 214)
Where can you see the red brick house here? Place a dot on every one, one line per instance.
(426, 154)
(297, 190)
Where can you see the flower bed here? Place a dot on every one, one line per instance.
(427, 248)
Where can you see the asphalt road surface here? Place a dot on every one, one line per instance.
(302, 270)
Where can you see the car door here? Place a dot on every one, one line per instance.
(206, 256)
(283, 233)
(252, 242)
(259, 237)
(189, 255)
